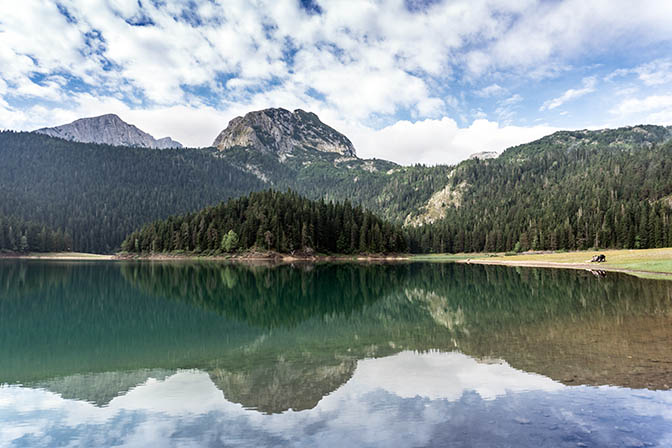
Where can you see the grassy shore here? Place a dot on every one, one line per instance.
(59, 256)
(650, 263)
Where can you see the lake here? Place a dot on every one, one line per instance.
(333, 354)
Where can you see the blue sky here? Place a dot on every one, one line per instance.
(406, 80)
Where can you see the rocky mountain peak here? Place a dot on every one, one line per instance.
(108, 129)
(280, 131)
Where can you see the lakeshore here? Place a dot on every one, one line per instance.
(250, 256)
(263, 256)
(61, 256)
(645, 263)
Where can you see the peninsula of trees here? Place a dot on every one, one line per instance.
(271, 221)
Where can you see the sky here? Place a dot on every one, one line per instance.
(413, 81)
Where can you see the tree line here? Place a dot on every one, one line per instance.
(17, 235)
(274, 221)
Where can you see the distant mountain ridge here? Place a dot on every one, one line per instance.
(627, 137)
(570, 190)
(108, 129)
(279, 131)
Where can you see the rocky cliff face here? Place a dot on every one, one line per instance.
(280, 131)
(108, 129)
(484, 155)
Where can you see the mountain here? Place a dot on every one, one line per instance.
(110, 130)
(568, 190)
(98, 194)
(279, 131)
(167, 142)
(609, 188)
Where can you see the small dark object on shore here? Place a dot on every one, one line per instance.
(599, 259)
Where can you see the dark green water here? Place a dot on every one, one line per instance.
(415, 354)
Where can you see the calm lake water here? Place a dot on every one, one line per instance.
(343, 355)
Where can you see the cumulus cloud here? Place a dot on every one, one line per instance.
(440, 141)
(571, 94)
(549, 33)
(184, 68)
(445, 376)
(654, 73)
(194, 126)
(650, 109)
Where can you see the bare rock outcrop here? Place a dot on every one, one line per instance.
(280, 131)
(108, 129)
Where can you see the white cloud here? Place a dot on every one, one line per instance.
(654, 73)
(364, 63)
(445, 376)
(546, 33)
(571, 94)
(439, 141)
(626, 91)
(491, 90)
(651, 109)
(194, 126)
(360, 58)
(371, 57)
(430, 107)
(505, 108)
(510, 101)
(648, 104)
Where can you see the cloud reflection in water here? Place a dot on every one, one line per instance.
(408, 399)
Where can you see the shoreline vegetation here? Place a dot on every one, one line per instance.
(648, 263)
(185, 256)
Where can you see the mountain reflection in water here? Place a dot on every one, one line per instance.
(98, 347)
(407, 399)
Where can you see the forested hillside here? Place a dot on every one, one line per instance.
(17, 235)
(390, 190)
(570, 190)
(270, 220)
(98, 194)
